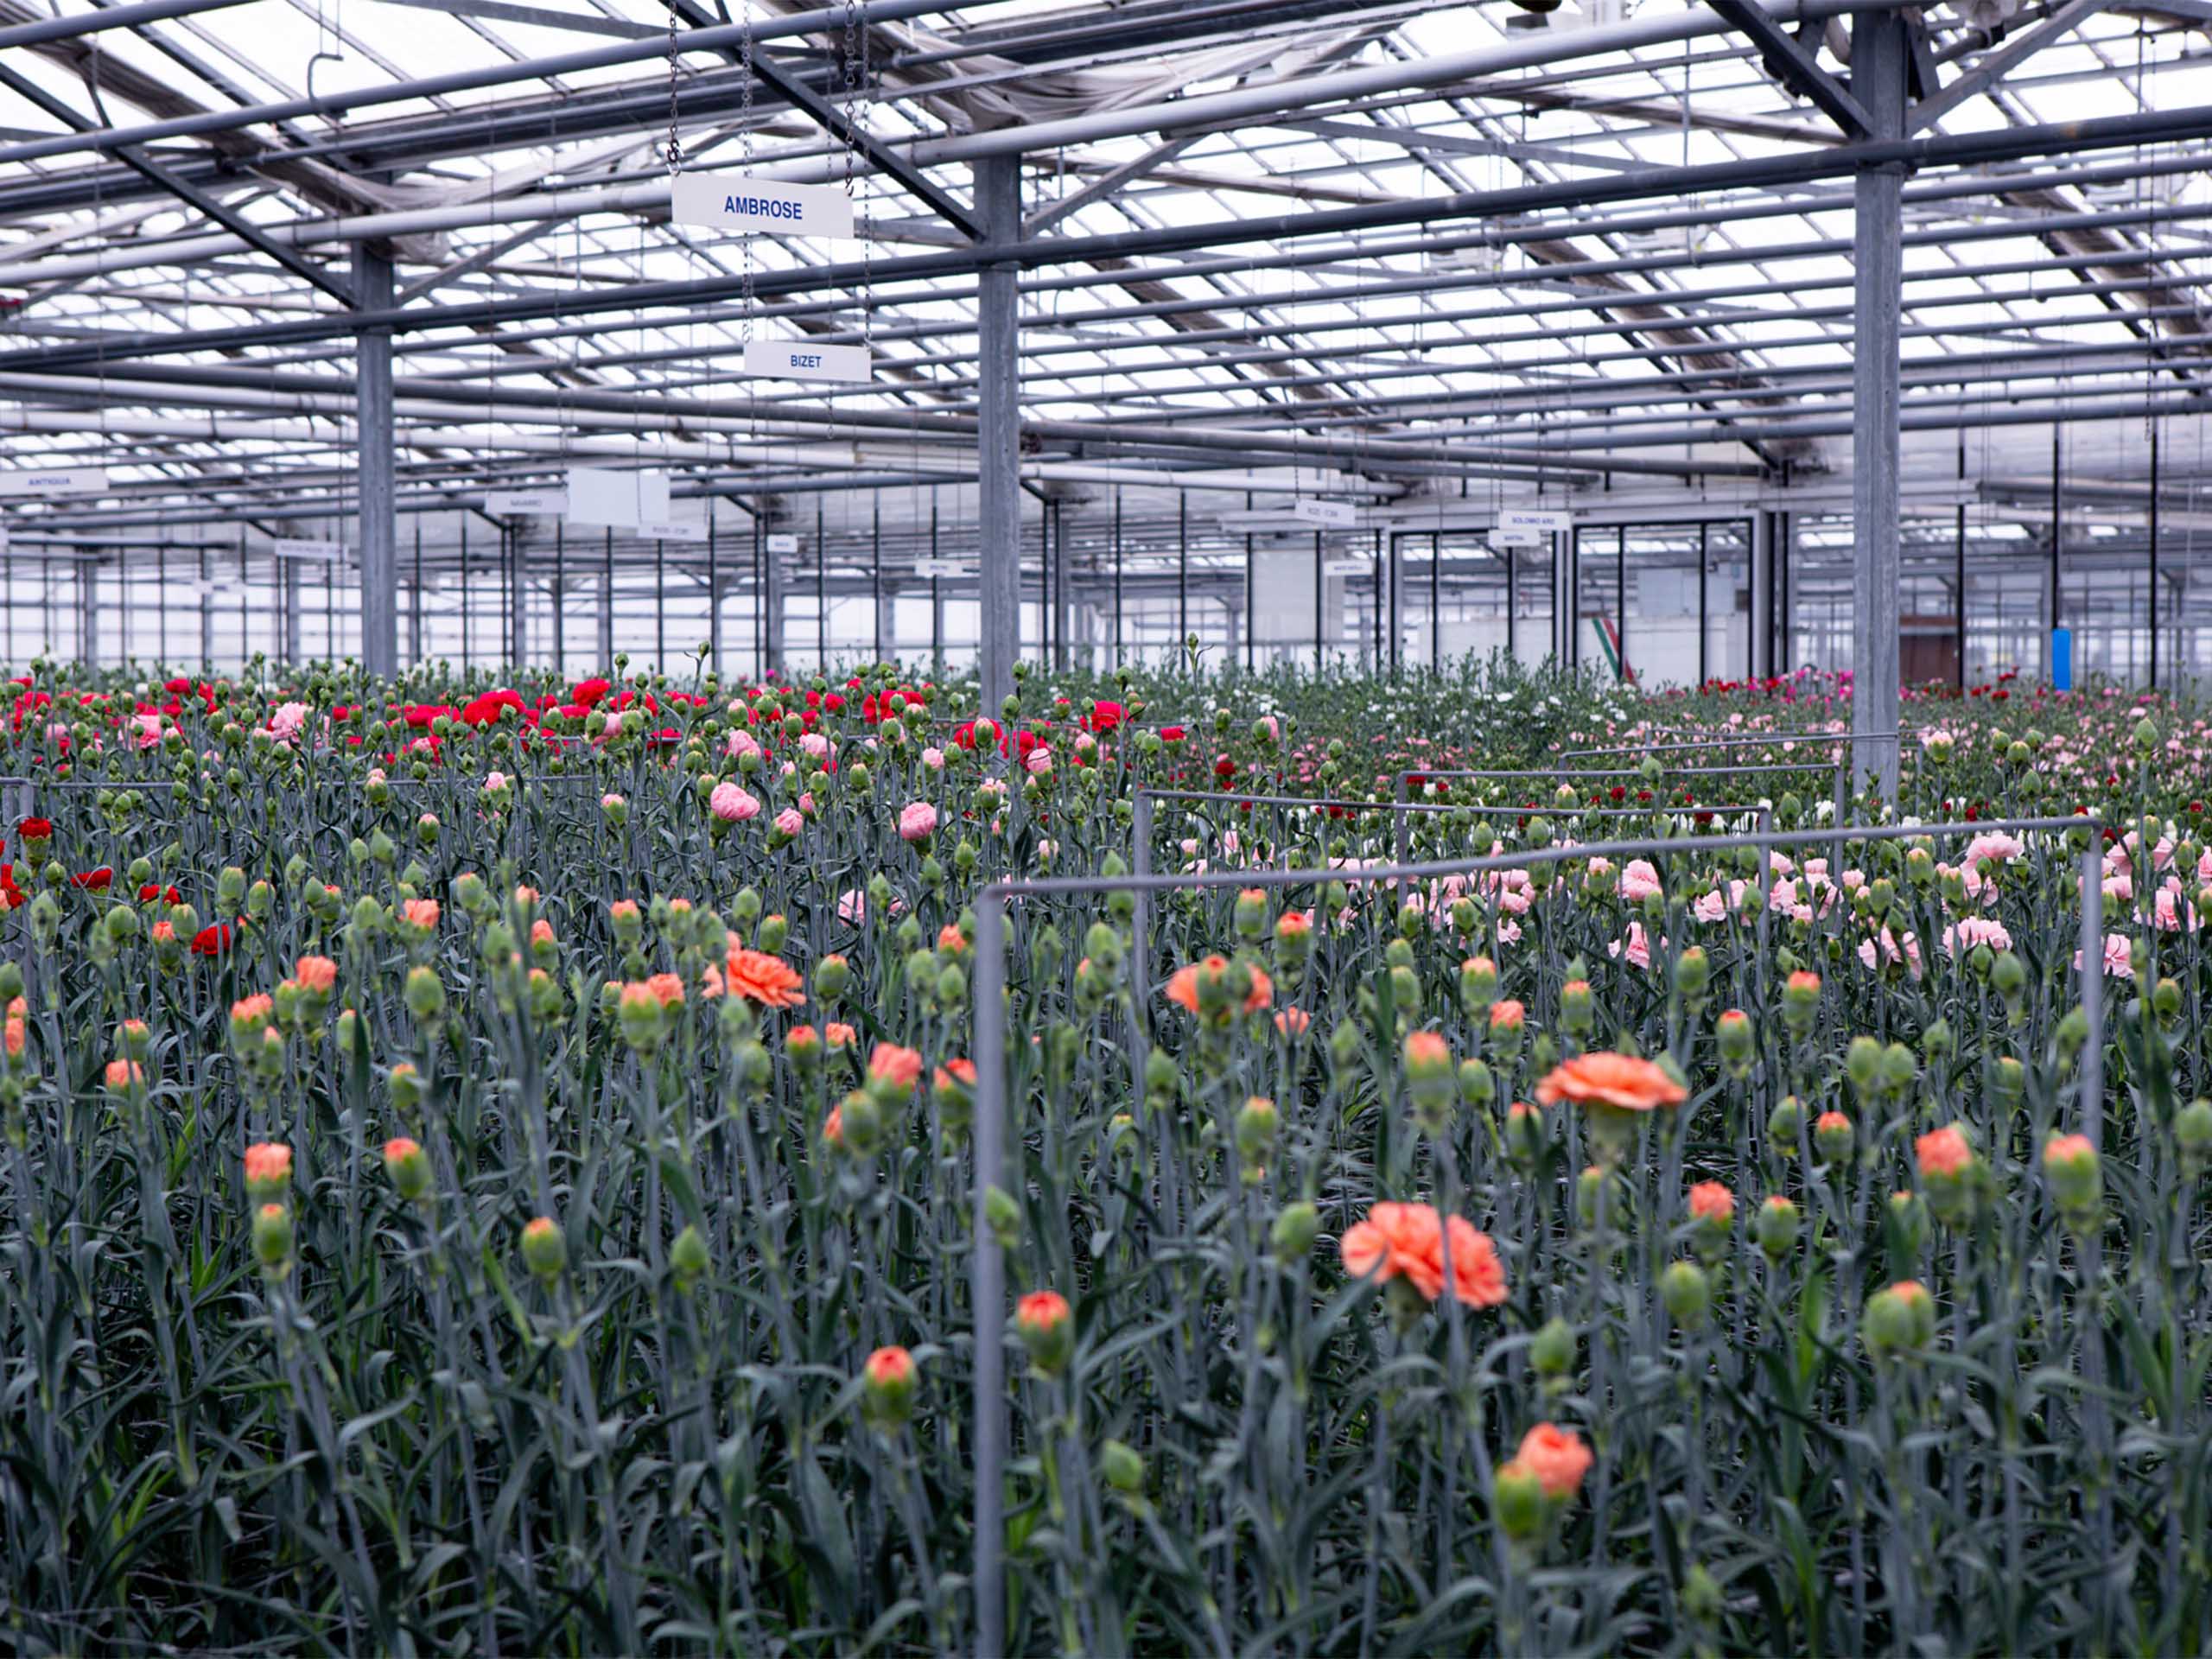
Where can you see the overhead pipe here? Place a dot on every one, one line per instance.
(1957, 149)
(651, 195)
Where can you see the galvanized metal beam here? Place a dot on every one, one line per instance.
(374, 441)
(1993, 66)
(1797, 69)
(1881, 61)
(836, 120)
(139, 163)
(998, 433)
(2153, 127)
(1108, 183)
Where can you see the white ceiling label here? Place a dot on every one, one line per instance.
(516, 504)
(607, 495)
(799, 360)
(1337, 515)
(938, 569)
(731, 201)
(326, 552)
(1543, 521)
(53, 480)
(674, 530)
(782, 541)
(1505, 536)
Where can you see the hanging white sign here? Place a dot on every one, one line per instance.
(606, 495)
(800, 360)
(1503, 536)
(937, 569)
(327, 552)
(1337, 515)
(674, 530)
(1348, 568)
(782, 541)
(58, 480)
(732, 201)
(516, 504)
(1543, 521)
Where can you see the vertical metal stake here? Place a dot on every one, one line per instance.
(987, 1272)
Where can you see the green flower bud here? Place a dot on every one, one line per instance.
(1294, 1230)
(1003, 1217)
(424, 993)
(1687, 1293)
(1900, 1321)
(272, 1239)
(1122, 1468)
(545, 1251)
(1775, 1227)
(1553, 1350)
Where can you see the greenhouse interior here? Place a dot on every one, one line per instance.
(1302, 300)
(1122, 827)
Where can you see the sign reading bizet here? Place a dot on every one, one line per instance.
(734, 202)
(801, 359)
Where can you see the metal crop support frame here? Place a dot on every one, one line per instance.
(988, 1268)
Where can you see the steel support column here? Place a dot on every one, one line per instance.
(88, 611)
(1760, 663)
(288, 608)
(517, 599)
(998, 206)
(1880, 62)
(378, 535)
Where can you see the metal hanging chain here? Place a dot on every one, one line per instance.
(852, 79)
(675, 144)
(745, 130)
(856, 79)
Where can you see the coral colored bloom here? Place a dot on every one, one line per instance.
(318, 973)
(1427, 1048)
(1944, 1151)
(1605, 1079)
(268, 1164)
(889, 1062)
(1506, 1015)
(1184, 984)
(1294, 1022)
(1405, 1240)
(1556, 1457)
(420, 912)
(838, 1034)
(758, 977)
(1710, 1201)
(1041, 1311)
(667, 990)
(889, 1368)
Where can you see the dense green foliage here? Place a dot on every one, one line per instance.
(521, 963)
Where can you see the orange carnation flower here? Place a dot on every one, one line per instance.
(1405, 1240)
(1556, 1457)
(1184, 985)
(759, 977)
(1617, 1080)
